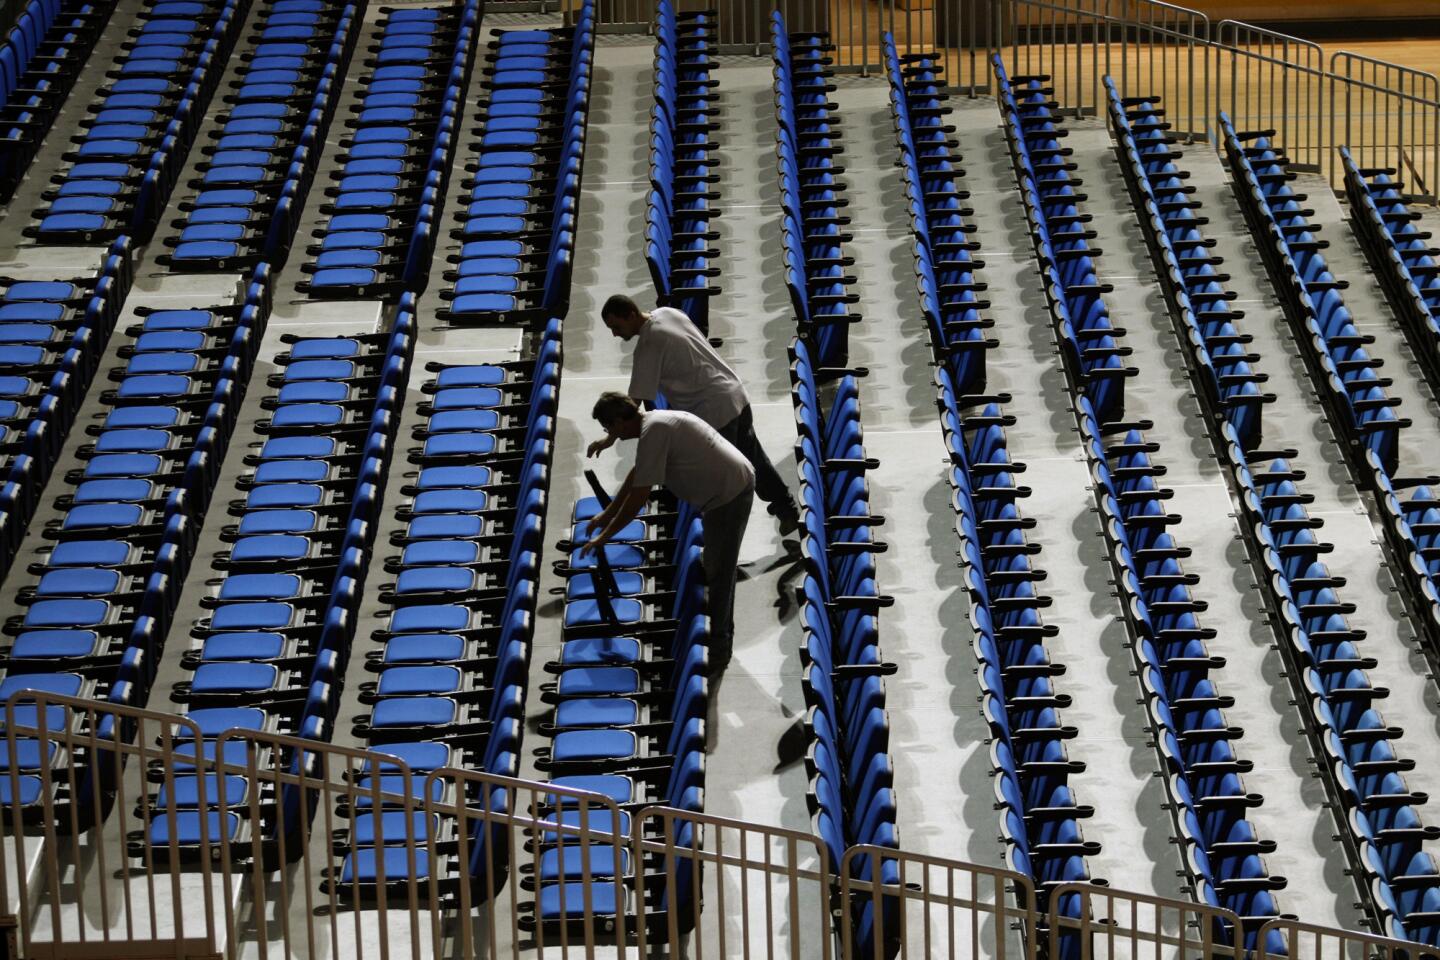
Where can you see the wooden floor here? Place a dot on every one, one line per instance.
(1421, 53)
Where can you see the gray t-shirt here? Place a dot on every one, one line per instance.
(683, 453)
(673, 357)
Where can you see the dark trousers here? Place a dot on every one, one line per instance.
(724, 528)
(768, 485)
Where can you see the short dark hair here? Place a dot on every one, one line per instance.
(619, 305)
(613, 407)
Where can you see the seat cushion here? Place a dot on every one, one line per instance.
(591, 745)
(599, 682)
(597, 712)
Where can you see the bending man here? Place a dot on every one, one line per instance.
(684, 454)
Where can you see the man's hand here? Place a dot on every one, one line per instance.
(595, 543)
(600, 446)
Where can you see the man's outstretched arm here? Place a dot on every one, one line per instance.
(625, 507)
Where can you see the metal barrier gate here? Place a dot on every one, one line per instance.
(1097, 923)
(109, 858)
(1386, 113)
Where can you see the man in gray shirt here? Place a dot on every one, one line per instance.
(684, 454)
(673, 359)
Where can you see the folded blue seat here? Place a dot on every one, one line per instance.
(246, 645)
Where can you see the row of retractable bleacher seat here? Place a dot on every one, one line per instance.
(1353, 393)
(1379, 809)
(1407, 264)
(261, 160)
(456, 644)
(1408, 268)
(944, 267)
(630, 703)
(678, 206)
(1039, 732)
(274, 648)
(40, 58)
(134, 142)
(1019, 701)
(95, 622)
(806, 145)
(55, 333)
(52, 337)
(1176, 671)
(517, 231)
(390, 187)
(1278, 530)
(851, 793)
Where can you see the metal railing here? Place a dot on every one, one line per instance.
(1267, 80)
(1153, 47)
(1386, 113)
(102, 861)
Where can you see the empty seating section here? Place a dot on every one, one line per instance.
(400, 140)
(1407, 267)
(1028, 755)
(94, 623)
(272, 650)
(851, 791)
(1039, 810)
(53, 335)
(459, 616)
(133, 144)
(1400, 878)
(944, 267)
(517, 230)
(1299, 584)
(1202, 772)
(806, 145)
(40, 58)
(678, 207)
(1353, 393)
(261, 158)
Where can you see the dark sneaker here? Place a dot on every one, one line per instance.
(789, 521)
(792, 746)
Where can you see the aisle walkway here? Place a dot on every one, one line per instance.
(760, 696)
(937, 736)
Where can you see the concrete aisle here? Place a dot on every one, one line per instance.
(937, 737)
(761, 697)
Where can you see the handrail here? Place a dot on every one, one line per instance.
(1316, 100)
(780, 887)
